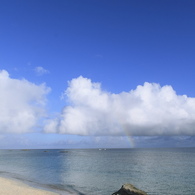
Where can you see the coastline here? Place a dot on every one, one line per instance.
(11, 186)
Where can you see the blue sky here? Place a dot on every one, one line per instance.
(109, 68)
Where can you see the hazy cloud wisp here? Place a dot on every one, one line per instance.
(148, 110)
(41, 71)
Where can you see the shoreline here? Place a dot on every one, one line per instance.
(11, 182)
(11, 186)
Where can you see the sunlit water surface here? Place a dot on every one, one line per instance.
(94, 171)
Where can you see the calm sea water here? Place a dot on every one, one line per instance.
(102, 172)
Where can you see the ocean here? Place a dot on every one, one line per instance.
(166, 171)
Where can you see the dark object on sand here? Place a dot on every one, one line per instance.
(129, 189)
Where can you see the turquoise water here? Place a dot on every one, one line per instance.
(93, 171)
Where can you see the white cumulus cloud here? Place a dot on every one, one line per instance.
(148, 110)
(21, 104)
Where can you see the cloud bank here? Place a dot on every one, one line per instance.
(21, 104)
(148, 110)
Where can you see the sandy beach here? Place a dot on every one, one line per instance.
(10, 187)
